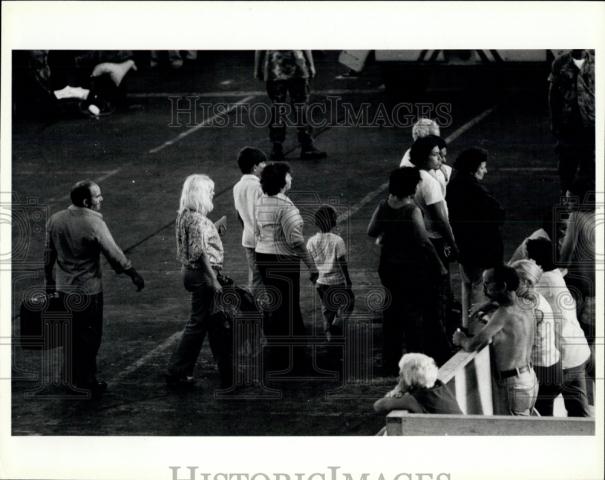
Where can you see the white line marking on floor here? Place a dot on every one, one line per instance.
(364, 201)
(468, 125)
(62, 172)
(372, 195)
(161, 147)
(526, 169)
(96, 180)
(205, 123)
(133, 367)
(248, 93)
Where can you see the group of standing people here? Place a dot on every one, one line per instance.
(432, 216)
(274, 245)
(539, 318)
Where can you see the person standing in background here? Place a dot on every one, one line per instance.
(246, 193)
(287, 74)
(571, 98)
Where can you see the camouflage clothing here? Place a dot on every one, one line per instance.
(575, 90)
(285, 65)
(572, 109)
(287, 75)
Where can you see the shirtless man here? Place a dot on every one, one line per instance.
(510, 329)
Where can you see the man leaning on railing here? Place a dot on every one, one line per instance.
(511, 330)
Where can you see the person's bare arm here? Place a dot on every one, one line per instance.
(422, 238)
(221, 225)
(483, 337)
(387, 404)
(437, 211)
(301, 251)
(374, 227)
(482, 308)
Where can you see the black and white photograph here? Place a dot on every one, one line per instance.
(221, 259)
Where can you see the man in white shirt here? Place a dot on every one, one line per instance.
(246, 192)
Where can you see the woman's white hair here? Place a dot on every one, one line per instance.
(425, 127)
(417, 370)
(530, 273)
(197, 194)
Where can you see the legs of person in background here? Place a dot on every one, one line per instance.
(445, 294)
(550, 381)
(278, 93)
(574, 391)
(585, 310)
(299, 97)
(404, 316)
(298, 92)
(472, 289)
(576, 152)
(255, 281)
(282, 323)
(587, 322)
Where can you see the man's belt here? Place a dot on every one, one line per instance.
(514, 372)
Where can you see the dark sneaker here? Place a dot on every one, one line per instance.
(277, 154)
(311, 153)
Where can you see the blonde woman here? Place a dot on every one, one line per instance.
(418, 390)
(545, 357)
(200, 251)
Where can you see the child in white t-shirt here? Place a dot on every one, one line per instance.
(333, 284)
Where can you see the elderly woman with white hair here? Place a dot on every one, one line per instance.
(418, 390)
(545, 357)
(200, 251)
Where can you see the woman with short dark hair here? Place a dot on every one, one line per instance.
(409, 270)
(280, 246)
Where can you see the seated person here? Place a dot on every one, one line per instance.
(418, 390)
